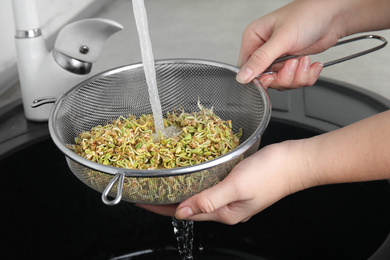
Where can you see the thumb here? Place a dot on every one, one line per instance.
(259, 61)
(205, 205)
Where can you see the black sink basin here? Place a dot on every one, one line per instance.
(47, 213)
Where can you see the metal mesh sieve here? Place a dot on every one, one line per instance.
(123, 91)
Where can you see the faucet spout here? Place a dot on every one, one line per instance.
(83, 40)
(44, 73)
(79, 44)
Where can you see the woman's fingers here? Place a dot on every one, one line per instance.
(225, 202)
(294, 73)
(230, 214)
(259, 60)
(165, 210)
(207, 201)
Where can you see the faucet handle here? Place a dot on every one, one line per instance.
(83, 40)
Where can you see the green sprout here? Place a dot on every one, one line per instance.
(130, 143)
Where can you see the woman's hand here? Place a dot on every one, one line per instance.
(358, 152)
(304, 27)
(299, 28)
(254, 184)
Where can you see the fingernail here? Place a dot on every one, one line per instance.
(184, 213)
(292, 66)
(244, 75)
(267, 82)
(318, 69)
(306, 63)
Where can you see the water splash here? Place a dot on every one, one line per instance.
(184, 234)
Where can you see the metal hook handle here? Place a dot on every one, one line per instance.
(42, 101)
(121, 178)
(336, 61)
(350, 57)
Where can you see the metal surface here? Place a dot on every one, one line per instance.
(181, 83)
(336, 61)
(120, 178)
(71, 64)
(42, 101)
(25, 34)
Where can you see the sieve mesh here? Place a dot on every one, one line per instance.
(181, 83)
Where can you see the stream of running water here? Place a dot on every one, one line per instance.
(182, 229)
(184, 234)
(141, 20)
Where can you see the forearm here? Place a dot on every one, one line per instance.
(368, 15)
(355, 16)
(359, 152)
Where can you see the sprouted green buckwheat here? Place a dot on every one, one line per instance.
(129, 142)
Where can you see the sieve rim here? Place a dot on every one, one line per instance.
(238, 151)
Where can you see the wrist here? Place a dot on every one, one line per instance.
(356, 16)
(302, 173)
(295, 165)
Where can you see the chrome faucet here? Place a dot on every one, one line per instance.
(46, 74)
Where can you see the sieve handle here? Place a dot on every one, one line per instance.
(336, 61)
(119, 177)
